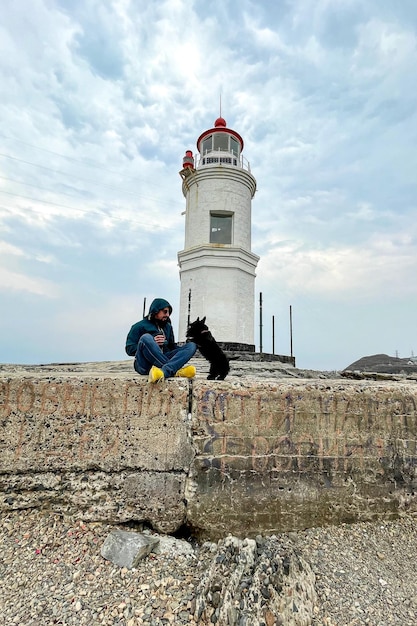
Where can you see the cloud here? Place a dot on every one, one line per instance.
(344, 272)
(100, 100)
(8, 249)
(14, 281)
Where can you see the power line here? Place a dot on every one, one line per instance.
(64, 156)
(63, 193)
(88, 180)
(20, 182)
(90, 211)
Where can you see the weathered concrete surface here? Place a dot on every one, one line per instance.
(244, 456)
(278, 455)
(104, 448)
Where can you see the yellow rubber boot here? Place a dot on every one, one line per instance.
(186, 372)
(155, 375)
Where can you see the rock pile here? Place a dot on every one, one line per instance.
(255, 583)
(52, 572)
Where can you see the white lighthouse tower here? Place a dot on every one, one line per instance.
(217, 267)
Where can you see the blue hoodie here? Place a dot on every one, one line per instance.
(149, 325)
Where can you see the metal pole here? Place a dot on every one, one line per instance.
(260, 322)
(291, 329)
(144, 306)
(189, 308)
(273, 334)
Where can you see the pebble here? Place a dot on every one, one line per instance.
(52, 572)
(353, 584)
(69, 582)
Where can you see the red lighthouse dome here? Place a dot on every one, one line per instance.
(220, 138)
(220, 122)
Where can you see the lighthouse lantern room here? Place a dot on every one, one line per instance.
(217, 267)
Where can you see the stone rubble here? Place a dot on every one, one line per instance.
(52, 572)
(126, 549)
(255, 582)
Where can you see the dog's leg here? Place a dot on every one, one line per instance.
(212, 372)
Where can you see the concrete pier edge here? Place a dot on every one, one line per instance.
(244, 456)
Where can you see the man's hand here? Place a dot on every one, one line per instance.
(159, 339)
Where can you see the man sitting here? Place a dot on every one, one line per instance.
(151, 341)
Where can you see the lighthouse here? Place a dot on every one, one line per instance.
(217, 266)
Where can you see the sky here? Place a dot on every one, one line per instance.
(100, 99)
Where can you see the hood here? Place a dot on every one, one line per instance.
(158, 304)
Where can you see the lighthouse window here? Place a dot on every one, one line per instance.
(207, 144)
(221, 227)
(234, 146)
(221, 142)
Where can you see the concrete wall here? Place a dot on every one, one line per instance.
(243, 456)
(100, 448)
(278, 456)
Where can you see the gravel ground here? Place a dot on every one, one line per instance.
(366, 573)
(51, 572)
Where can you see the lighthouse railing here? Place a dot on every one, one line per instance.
(220, 157)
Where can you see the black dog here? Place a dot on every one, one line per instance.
(209, 348)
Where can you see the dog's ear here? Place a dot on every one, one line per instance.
(203, 321)
(198, 319)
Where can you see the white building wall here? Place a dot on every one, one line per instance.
(218, 190)
(222, 289)
(221, 276)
